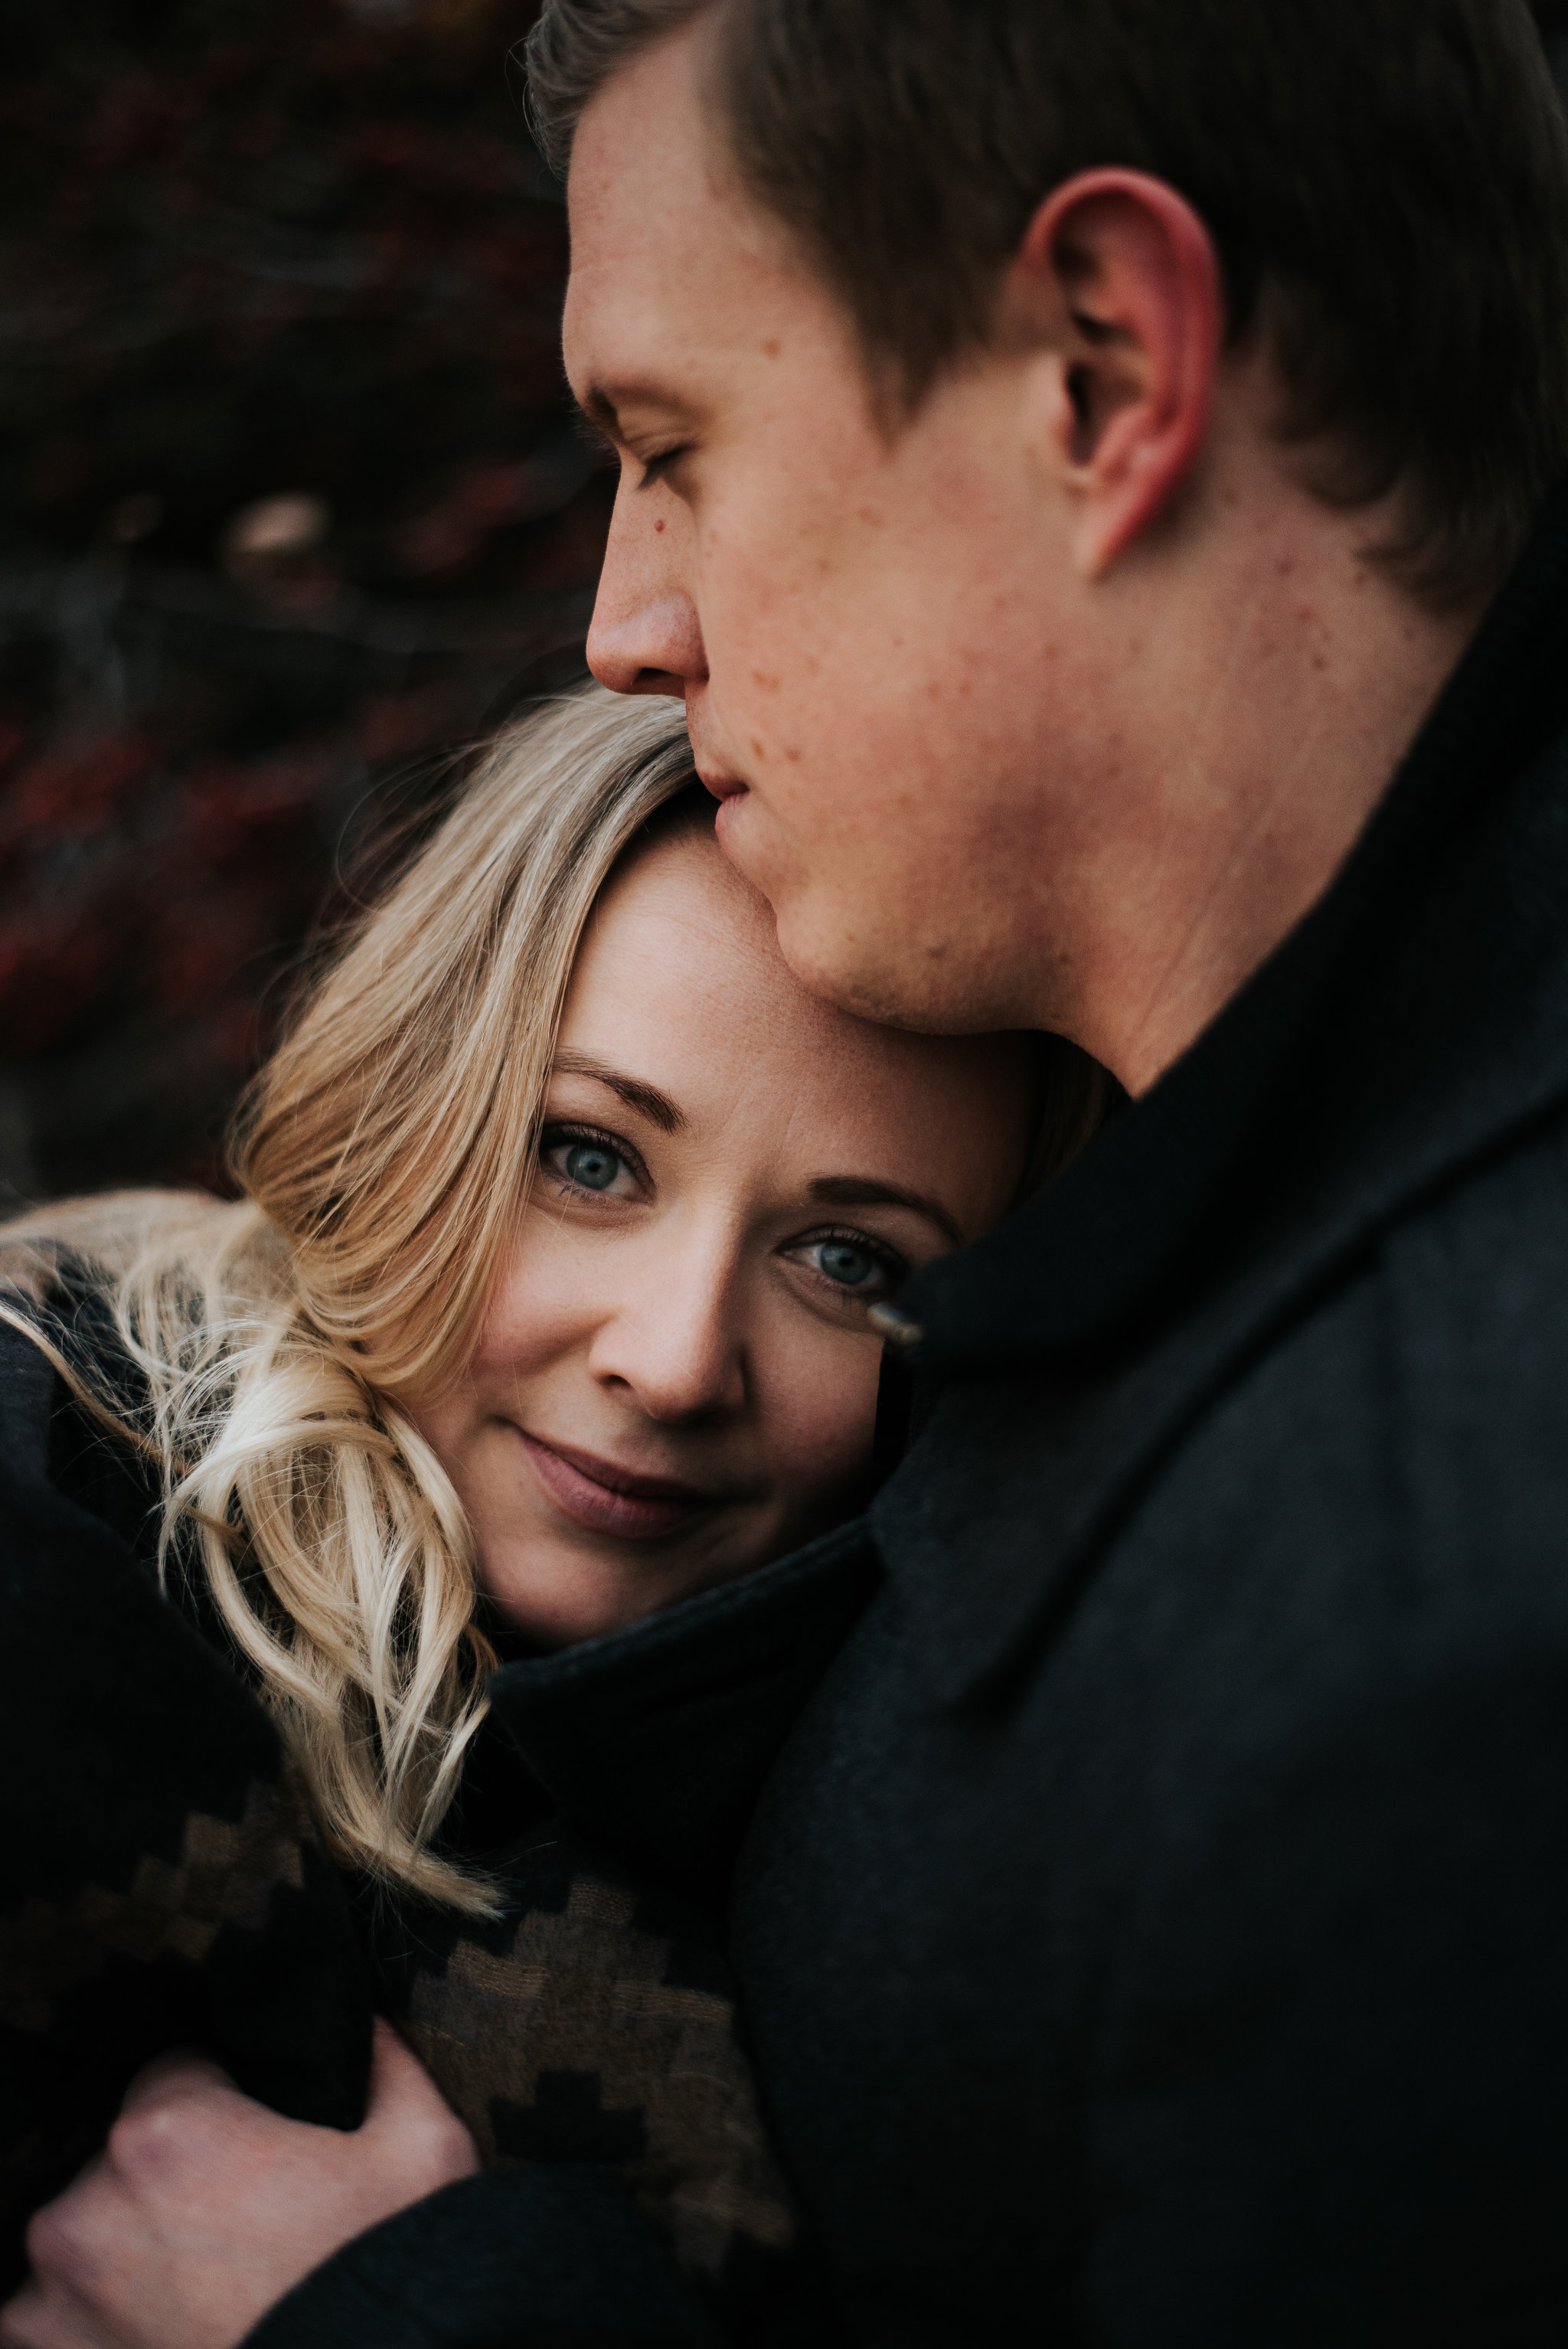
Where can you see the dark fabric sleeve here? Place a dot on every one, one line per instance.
(1332, 2102)
(551, 2258)
(163, 1883)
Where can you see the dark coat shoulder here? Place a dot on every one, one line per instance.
(1156, 1929)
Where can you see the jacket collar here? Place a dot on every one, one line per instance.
(1412, 1023)
(653, 1741)
(1120, 1233)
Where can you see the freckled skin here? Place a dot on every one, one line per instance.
(680, 1331)
(1139, 777)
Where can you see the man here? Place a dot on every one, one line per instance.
(1087, 469)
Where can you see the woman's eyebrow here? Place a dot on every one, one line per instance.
(862, 1191)
(654, 1105)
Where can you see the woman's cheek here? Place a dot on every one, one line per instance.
(827, 1418)
(541, 1306)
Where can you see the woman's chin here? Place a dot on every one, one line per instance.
(555, 1592)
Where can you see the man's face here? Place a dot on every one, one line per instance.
(876, 637)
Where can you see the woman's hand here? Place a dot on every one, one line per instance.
(205, 2208)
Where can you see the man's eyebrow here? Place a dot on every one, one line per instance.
(596, 411)
(863, 1191)
(647, 1099)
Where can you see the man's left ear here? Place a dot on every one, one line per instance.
(1127, 275)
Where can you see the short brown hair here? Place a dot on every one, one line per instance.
(1386, 182)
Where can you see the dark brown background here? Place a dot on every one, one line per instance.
(253, 249)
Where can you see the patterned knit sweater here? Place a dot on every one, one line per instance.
(166, 1887)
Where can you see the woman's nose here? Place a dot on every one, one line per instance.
(644, 635)
(676, 1347)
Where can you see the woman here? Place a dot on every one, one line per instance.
(545, 1307)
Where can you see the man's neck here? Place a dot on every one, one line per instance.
(1272, 718)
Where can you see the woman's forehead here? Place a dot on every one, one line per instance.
(672, 909)
(680, 984)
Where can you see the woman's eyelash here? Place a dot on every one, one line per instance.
(893, 1263)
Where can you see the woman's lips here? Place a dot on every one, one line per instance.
(610, 1500)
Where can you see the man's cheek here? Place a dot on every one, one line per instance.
(776, 603)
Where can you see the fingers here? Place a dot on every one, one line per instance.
(171, 2113)
(65, 2238)
(47, 2315)
(206, 2208)
(407, 2110)
(396, 2074)
(167, 2075)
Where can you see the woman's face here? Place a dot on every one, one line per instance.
(675, 1380)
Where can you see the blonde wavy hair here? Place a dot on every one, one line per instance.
(383, 1153)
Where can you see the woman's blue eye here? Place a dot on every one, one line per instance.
(848, 1264)
(591, 1165)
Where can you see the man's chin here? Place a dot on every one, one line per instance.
(829, 961)
(824, 941)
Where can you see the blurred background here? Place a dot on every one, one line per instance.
(291, 510)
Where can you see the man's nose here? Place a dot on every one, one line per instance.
(677, 1346)
(644, 636)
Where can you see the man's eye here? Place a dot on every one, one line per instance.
(656, 469)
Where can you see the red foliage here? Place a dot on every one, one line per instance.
(251, 249)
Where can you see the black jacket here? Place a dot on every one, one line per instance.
(162, 1883)
(1154, 1929)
